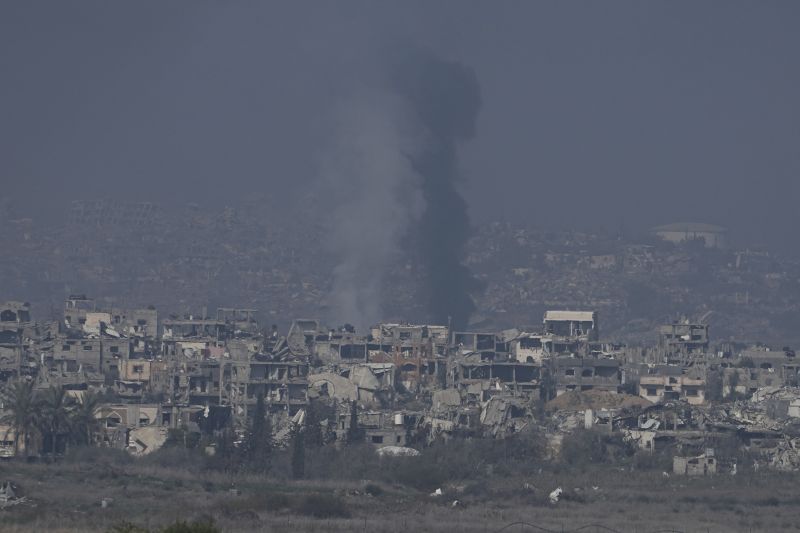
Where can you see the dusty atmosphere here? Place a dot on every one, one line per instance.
(399, 266)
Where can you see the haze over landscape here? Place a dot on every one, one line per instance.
(619, 114)
(448, 265)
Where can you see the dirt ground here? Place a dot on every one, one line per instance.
(67, 496)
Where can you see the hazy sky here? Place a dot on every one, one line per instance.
(593, 112)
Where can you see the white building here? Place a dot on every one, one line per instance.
(571, 324)
(714, 236)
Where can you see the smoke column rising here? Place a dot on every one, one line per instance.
(376, 196)
(445, 97)
(391, 172)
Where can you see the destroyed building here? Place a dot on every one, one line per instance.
(702, 465)
(584, 373)
(484, 345)
(531, 348)
(11, 350)
(282, 384)
(16, 328)
(759, 368)
(243, 321)
(486, 378)
(18, 313)
(9, 444)
(684, 338)
(135, 322)
(78, 358)
(663, 383)
(368, 383)
(75, 308)
(580, 325)
(379, 428)
(412, 383)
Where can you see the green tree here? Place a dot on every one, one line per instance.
(733, 382)
(547, 385)
(54, 417)
(354, 433)
(313, 429)
(19, 401)
(587, 446)
(714, 385)
(298, 454)
(85, 423)
(227, 457)
(182, 437)
(259, 439)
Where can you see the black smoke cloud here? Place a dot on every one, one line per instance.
(391, 176)
(445, 96)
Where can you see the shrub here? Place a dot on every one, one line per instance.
(630, 387)
(97, 455)
(322, 506)
(358, 461)
(193, 527)
(421, 473)
(190, 460)
(450, 461)
(182, 438)
(127, 527)
(275, 501)
(584, 447)
(660, 461)
(373, 489)
(479, 490)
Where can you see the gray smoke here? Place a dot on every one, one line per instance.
(391, 173)
(375, 197)
(445, 97)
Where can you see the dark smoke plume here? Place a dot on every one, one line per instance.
(390, 175)
(446, 99)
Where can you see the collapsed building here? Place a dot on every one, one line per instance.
(16, 331)
(684, 337)
(407, 384)
(702, 465)
(584, 373)
(760, 368)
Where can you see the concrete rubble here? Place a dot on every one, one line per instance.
(10, 495)
(397, 451)
(405, 385)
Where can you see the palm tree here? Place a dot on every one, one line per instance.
(84, 421)
(54, 415)
(19, 401)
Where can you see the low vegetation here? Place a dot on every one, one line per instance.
(485, 484)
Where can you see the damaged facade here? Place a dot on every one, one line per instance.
(407, 385)
(668, 383)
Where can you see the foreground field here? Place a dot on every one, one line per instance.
(66, 496)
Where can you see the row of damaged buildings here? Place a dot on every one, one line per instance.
(176, 366)
(227, 360)
(407, 384)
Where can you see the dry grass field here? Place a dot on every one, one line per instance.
(66, 496)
